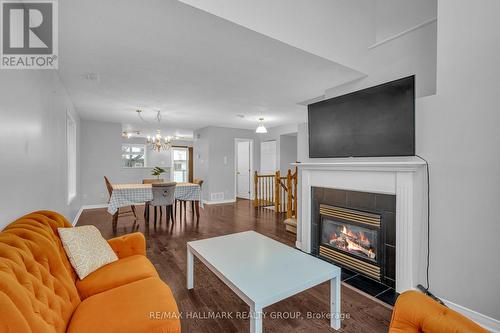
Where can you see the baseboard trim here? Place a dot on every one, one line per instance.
(488, 323)
(77, 217)
(219, 202)
(95, 206)
(82, 208)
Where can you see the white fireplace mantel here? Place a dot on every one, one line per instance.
(403, 177)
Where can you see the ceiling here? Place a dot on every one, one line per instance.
(200, 70)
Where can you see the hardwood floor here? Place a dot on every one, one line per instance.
(210, 297)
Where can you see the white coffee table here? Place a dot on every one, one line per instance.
(262, 271)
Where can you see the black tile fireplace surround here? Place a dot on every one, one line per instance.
(371, 267)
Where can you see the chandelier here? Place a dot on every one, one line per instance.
(157, 142)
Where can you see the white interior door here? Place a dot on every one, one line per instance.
(243, 169)
(268, 157)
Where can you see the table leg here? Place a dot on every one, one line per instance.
(255, 319)
(115, 220)
(335, 303)
(190, 269)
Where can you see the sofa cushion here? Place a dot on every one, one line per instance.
(144, 306)
(87, 250)
(128, 245)
(116, 274)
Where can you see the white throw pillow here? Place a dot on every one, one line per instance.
(86, 249)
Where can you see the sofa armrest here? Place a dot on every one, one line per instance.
(416, 312)
(128, 245)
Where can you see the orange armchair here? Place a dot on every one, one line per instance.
(415, 312)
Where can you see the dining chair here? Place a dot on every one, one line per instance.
(163, 195)
(118, 213)
(195, 206)
(150, 181)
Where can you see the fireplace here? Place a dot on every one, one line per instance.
(355, 230)
(352, 238)
(394, 188)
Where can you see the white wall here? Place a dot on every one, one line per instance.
(201, 155)
(276, 133)
(214, 149)
(33, 163)
(101, 156)
(396, 16)
(287, 152)
(457, 132)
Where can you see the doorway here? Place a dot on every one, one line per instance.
(180, 164)
(243, 167)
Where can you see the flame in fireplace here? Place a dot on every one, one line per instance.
(351, 241)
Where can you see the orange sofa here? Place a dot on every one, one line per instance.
(40, 292)
(415, 312)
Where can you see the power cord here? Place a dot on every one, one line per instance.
(428, 220)
(423, 289)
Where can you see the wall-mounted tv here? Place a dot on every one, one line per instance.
(377, 121)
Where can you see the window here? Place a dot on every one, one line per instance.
(180, 164)
(71, 155)
(133, 155)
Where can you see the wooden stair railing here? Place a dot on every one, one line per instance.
(278, 191)
(264, 190)
(291, 184)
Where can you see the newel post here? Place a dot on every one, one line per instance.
(256, 190)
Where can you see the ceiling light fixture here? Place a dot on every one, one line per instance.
(157, 142)
(261, 129)
(129, 134)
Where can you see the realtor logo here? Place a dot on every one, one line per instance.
(29, 34)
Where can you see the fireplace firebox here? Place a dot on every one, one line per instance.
(352, 238)
(356, 230)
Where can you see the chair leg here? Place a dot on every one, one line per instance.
(167, 214)
(184, 204)
(197, 208)
(161, 213)
(146, 212)
(172, 214)
(156, 215)
(133, 211)
(192, 208)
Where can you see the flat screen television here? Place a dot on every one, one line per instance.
(377, 121)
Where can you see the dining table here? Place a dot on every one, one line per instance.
(135, 194)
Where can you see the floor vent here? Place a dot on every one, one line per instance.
(219, 196)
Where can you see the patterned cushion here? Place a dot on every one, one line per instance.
(87, 250)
